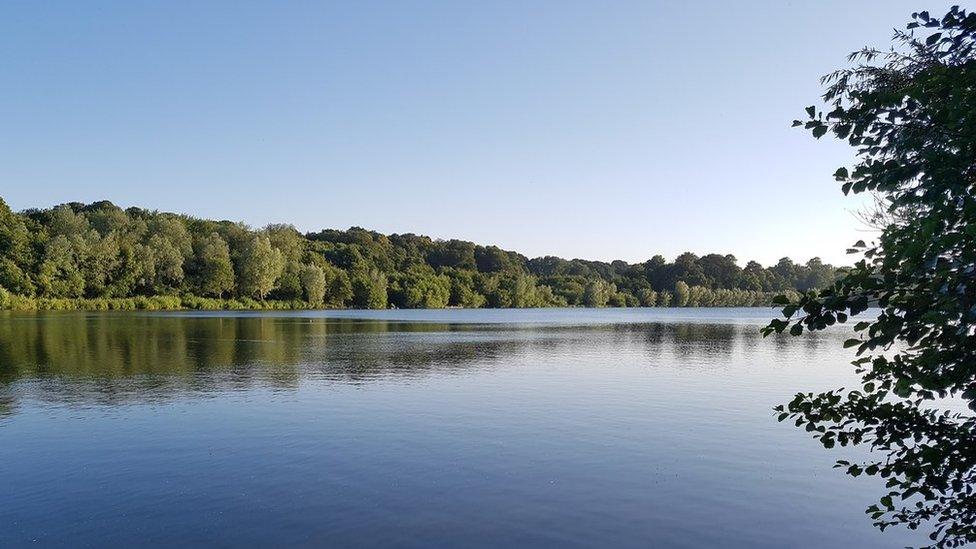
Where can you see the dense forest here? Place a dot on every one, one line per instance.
(102, 256)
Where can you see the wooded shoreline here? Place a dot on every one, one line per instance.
(101, 257)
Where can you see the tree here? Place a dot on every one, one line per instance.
(15, 252)
(289, 283)
(453, 253)
(313, 284)
(287, 239)
(65, 221)
(212, 269)
(721, 270)
(754, 277)
(168, 264)
(491, 259)
(259, 267)
(682, 293)
(598, 293)
(173, 229)
(647, 297)
(911, 115)
(59, 274)
(140, 266)
(338, 287)
(463, 293)
(369, 290)
(420, 289)
(687, 267)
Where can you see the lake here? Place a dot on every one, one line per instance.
(475, 428)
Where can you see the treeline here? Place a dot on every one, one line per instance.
(101, 256)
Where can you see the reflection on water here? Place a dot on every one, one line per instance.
(416, 429)
(107, 358)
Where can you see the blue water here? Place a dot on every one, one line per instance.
(554, 428)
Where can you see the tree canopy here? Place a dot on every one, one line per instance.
(910, 114)
(101, 251)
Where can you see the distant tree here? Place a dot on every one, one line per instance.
(463, 292)
(338, 286)
(910, 113)
(665, 299)
(63, 220)
(491, 259)
(289, 284)
(682, 293)
(140, 267)
(569, 289)
(420, 289)
(453, 253)
(59, 274)
(168, 264)
(598, 293)
(786, 273)
(212, 269)
(369, 290)
(287, 239)
(721, 271)
(816, 275)
(259, 267)
(313, 284)
(687, 268)
(15, 252)
(647, 297)
(106, 218)
(618, 299)
(754, 277)
(174, 230)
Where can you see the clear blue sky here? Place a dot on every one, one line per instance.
(600, 130)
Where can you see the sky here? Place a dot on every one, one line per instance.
(599, 130)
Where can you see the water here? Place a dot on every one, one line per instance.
(586, 428)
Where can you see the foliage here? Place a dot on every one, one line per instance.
(910, 113)
(369, 290)
(259, 267)
(313, 284)
(89, 253)
(420, 288)
(211, 266)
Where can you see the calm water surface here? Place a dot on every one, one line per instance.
(560, 428)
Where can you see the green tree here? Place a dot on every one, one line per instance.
(173, 229)
(665, 299)
(647, 297)
(463, 292)
(313, 284)
(338, 287)
(682, 293)
(420, 289)
(15, 252)
(598, 293)
(287, 239)
(259, 267)
(59, 274)
(492, 259)
(140, 265)
(289, 284)
(910, 113)
(99, 260)
(167, 262)
(212, 272)
(453, 253)
(63, 220)
(369, 290)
